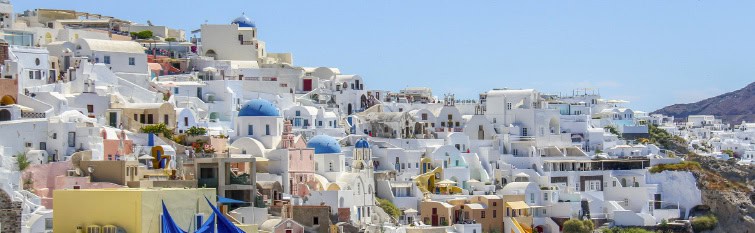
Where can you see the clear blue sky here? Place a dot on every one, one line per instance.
(653, 53)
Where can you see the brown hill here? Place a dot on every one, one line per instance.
(733, 107)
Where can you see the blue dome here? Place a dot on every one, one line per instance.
(258, 107)
(362, 143)
(324, 144)
(244, 21)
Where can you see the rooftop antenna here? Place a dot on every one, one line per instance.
(150, 23)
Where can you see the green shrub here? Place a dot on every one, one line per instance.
(612, 129)
(22, 161)
(683, 166)
(160, 128)
(578, 226)
(625, 230)
(388, 207)
(196, 131)
(704, 223)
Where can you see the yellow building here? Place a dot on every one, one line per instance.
(133, 210)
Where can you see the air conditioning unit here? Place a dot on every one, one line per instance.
(94, 229)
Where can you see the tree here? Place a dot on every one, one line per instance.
(22, 161)
(143, 35)
(170, 39)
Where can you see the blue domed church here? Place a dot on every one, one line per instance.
(329, 160)
(260, 119)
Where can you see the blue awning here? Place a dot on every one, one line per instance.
(228, 201)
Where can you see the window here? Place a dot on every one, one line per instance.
(450, 117)
(107, 59)
(166, 119)
(545, 196)
(90, 108)
(175, 90)
(424, 116)
(298, 113)
(131, 61)
(532, 197)
(250, 130)
(319, 123)
(524, 132)
(150, 119)
(71, 139)
(316, 221)
(48, 224)
(31, 74)
(186, 121)
(482, 214)
(515, 152)
(508, 106)
(43, 145)
(267, 129)
(330, 166)
(495, 213)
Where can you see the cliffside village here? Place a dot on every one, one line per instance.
(114, 126)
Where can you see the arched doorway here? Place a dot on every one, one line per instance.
(5, 115)
(7, 100)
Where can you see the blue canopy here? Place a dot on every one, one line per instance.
(224, 225)
(227, 201)
(169, 226)
(208, 226)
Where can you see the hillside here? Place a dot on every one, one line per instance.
(732, 107)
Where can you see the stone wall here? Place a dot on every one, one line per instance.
(10, 214)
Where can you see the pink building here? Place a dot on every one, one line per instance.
(116, 143)
(301, 162)
(52, 176)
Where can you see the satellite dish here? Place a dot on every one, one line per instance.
(77, 171)
(90, 169)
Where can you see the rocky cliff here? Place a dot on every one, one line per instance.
(727, 188)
